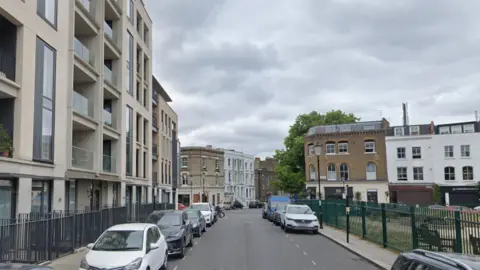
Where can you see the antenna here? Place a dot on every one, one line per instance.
(476, 116)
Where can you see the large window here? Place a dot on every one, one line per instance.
(130, 10)
(369, 146)
(344, 172)
(47, 9)
(449, 173)
(41, 199)
(467, 172)
(417, 173)
(371, 171)
(402, 174)
(7, 199)
(331, 172)
(129, 141)
(312, 172)
(70, 196)
(448, 151)
(130, 64)
(43, 129)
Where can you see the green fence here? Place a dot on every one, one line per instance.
(404, 228)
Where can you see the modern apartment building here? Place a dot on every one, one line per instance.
(165, 144)
(79, 118)
(351, 154)
(239, 176)
(265, 175)
(202, 175)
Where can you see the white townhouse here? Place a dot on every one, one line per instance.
(239, 176)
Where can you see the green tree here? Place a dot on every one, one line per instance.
(291, 160)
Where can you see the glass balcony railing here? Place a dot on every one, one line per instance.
(89, 6)
(107, 29)
(82, 105)
(84, 53)
(109, 76)
(109, 164)
(107, 118)
(82, 158)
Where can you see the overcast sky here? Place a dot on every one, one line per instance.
(240, 71)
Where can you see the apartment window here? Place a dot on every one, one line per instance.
(344, 172)
(165, 171)
(449, 173)
(399, 131)
(184, 180)
(331, 172)
(130, 64)
(47, 10)
(371, 171)
(448, 151)
(130, 10)
(343, 147)
(469, 128)
(416, 152)
(414, 130)
(204, 162)
(311, 150)
(217, 165)
(456, 129)
(312, 172)
(370, 146)
(184, 162)
(228, 162)
(44, 116)
(417, 173)
(467, 172)
(465, 150)
(331, 148)
(163, 174)
(129, 141)
(41, 196)
(402, 174)
(444, 130)
(169, 173)
(401, 153)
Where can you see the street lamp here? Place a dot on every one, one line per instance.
(318, 152)
(203, 186)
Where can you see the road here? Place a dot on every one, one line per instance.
(244, 241)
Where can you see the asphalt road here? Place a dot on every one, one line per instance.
(244, 241)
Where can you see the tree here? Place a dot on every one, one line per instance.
(291, 160)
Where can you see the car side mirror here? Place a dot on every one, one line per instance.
(90, 246)
(154, 246)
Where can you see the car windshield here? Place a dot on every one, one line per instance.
(120, 241)
(192, 214)
(169, 220)
(280, 207)
(299, 210)
(201, 207)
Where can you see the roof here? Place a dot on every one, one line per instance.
(159, 89)
(129, 226)
(353, 127)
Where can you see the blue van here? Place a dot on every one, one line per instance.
(272, 203)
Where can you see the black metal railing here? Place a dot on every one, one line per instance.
(7, 64)
(35, 237)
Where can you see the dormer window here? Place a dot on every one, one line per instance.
(414, 130)
(469, 128)
(399, 131)
(444, 130)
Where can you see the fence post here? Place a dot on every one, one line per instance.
(458, 232)
(363, 209)
(413, 225)
(336, 214)
(384, 225)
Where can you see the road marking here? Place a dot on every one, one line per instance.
(297, 246)
(286, 235)
(190, 249)
(175, 268)
(304, 253)
(184, 258)
(314, 263)
(197, 242)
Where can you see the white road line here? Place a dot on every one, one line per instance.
(297, 246)
(304, 253)
(190, 249)
(286, 235)
(196, 243)
(175, 268)
(184, 258)
(314, 263)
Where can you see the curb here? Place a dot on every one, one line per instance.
(73, 252)
(347, 247)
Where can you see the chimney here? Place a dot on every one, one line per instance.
(432, 128)
(405, 114)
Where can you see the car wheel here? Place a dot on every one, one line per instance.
(182, 254)
(190, 242)
(204, 227)
(165, 262)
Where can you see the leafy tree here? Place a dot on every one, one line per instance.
(291, 160)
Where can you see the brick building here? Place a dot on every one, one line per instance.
(264, 176)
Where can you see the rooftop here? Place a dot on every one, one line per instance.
(359, 126)
(159, 89)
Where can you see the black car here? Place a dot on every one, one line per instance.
(237, 205)
(199, 225)
(422, 259)
(256, 204)
(21, 266)
(176, 228)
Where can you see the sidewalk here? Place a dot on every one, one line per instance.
(69, 262)
(377, 255)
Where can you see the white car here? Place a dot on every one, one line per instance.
(206, 211)
(299, 218)
(136, 246)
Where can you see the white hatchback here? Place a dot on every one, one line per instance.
(136, 246)
(207, 212)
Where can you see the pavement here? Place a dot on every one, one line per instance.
(242, 240)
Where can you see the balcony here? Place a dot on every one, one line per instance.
(108, 119)
(109, 77)
(7, 65)
(111, 48)
(82, 158)
(155, 178)
(84, 53)
(155, 152)
(82, 105)
(109, 164)
(85, 18)
(113, 9)
(154, 123)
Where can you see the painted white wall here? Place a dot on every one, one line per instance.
(241, 179)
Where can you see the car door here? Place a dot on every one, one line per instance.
(201, 219)
(188, 226)
(162, 244)
(151, 256)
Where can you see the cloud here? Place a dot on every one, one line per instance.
(241, 71)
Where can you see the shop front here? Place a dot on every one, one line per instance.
(460, 195)
(412, 194)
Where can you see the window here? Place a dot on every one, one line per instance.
(204, 162)
(130, 64)
(184, 162)
(444, 130)
(469, 128)
(401, 153)
(311, 150)
(416, 152)
(399, 131)
(331, 148)
(41, 196)
(129, 141)
(343, 147)
(449, 173)
(228, 162)
(456, 129)
(448, 151)
(465, 150)
(312, 172)
(467, 172)
(344, 172)
(45, 87)
(370, 146)
(47, 9)
(217, 166)
(331, 172)
(402, 174)
(130, 10)
(414, 130)
(417, 173)
(371, 171)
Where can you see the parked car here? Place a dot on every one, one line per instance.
(422, 259)
(227, 205)
(299, 217)
(279, 208)
(255, 204)
(177, 230)
(198, 221)
(22, 266)
(237, 205)
(265, 211)
(128, 246)
(206, 211)
(181, 206)
(214, 211)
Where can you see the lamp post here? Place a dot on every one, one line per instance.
(347, 208)
(318, 152)
(203, 186)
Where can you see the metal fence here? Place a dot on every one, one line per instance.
(35, 238)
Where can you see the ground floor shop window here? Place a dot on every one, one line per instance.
(41, 196)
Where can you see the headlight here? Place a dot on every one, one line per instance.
(289, 219)
(177, 234)
(195, 225)
(84, 264)
(134, 265)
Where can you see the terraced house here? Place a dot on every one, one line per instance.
(76, 108)
(347, 154)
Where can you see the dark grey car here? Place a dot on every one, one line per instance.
(22, 266)
(199, 225)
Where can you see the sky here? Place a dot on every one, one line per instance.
(240, 71)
